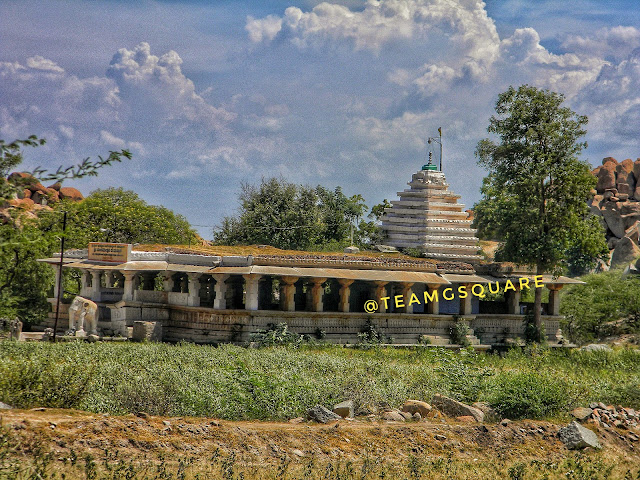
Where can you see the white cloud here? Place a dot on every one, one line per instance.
(615, 42)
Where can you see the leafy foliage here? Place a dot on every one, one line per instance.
(290, 216)
(606, 297)
(118, 215)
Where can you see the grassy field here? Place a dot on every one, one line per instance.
(234, 383)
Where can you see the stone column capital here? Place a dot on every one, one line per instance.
(345, 282)
(288, 280)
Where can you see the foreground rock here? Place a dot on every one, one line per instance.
(416, 406)
(321, 414)
(453, 408)
(575, 436)
(344, 409)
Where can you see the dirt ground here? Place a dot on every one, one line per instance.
(270, 450)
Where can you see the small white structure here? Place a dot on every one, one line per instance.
(83, 317)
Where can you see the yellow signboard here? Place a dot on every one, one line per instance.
(109, 252)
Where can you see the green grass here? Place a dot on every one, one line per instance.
(280, 383)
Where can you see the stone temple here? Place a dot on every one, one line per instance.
(429, 217)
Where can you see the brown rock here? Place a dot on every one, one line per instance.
(453, 408)
(633, 232)
(623, 197)
(630, 220)
(56, 186)
(636, 170)
(21, 178)
(613, 219)
(609, 160)
(581, 413)
(69, 193)
(612, 242)
(392, 416)
(610, 193)
(606, 178)
(25, 203)
(466, 419)
(595, 171)
(625, 252)
(630, 207)
(413, 406)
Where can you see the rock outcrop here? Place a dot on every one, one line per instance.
(616, 202)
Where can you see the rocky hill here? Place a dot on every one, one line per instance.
(616, 201)
(32, 196)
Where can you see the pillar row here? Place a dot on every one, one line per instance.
(317, 293)
(345, 294)
(220, 289)
(287, 293)
(252, 283)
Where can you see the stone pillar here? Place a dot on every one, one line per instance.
(252, 283)
(95, 285)
(56, 268)
(220, 302)
(317, 292)
(193, 300)
(108, 279)
(554, 299)
(432, 308)
(379, 291)
(128, 285)
(85, 279)
(465, 303)
(513, 301)
(406, 296)
(287, 294)
(167, 282)
(345, 293)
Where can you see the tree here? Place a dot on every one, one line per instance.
(290, 216)
(534, 198)
(120, 216)
(24, 281)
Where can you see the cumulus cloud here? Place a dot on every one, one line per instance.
(612, 43)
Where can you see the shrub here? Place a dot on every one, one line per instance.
(458, 332)
(276, 335)
(530, 395)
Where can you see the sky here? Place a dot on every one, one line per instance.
(210, 94)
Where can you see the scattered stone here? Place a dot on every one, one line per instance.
(593, 405)
(505, 422)
(297, 453)
(38, 409)
(417, 417)
(386, 248)
(144, 415)
(453, 408)
(575, 436)
(344, 409)
(416, 406)
(4, 406)
(581, 413)
(597, 347)
(296, 420)
(466, 419)
(440, 437)
(321, 414)
(406, 415)
(351, 249)
(490, 414)
(166, 423)
(392, 416)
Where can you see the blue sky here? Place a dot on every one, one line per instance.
(211, 94)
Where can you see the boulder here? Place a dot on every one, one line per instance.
(606, 177)
(392, 416)
(595, 171)
(575, 436)
(630, 219)
(490, 414)
(633, 232)
(630, 208)
(623, 197)
(612, 242)
(344, 409)
(69, 193)
(416, 406)
(636, 169)
(466, 419)
(4, 406)
(624, 175)
(146, 331)
(595, 210)
(351, 249)
(453, 408)
(56, 186)
(581, 413)
(609, 160)
(596, 347)
(614, 221)
(321, 414)
(624, 188)
(636, 194)
(625, 252)
(610, 193)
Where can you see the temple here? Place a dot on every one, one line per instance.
(429, 217)
(178, 295)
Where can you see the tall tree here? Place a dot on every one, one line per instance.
(534, 198)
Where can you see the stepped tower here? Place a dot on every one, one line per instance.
(429, 217)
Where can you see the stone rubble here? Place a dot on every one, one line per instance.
(616, 202)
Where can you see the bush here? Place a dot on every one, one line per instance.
(458, 332)
(276, 335)
(530, 395)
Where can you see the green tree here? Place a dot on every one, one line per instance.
(534, 198)
(24, 282)
(121, 216)
(290, 216)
